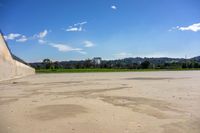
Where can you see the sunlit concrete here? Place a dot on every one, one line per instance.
(124, 102)
(9, 67)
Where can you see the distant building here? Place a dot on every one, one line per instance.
(96, 60)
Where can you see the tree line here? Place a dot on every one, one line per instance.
(128, 63)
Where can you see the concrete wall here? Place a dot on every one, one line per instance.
(10, 68)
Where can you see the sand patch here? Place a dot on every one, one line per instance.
(50, 112)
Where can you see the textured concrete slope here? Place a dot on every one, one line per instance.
(10, 68)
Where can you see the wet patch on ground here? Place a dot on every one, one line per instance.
(7, 100)
(45, 83)
(84, 93)
(182, 127)
(100, 79)
(153, 78)
(151, 107)
(51, 112)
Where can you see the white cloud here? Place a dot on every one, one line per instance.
(78, 27)
(173, 28)
(42, 34)
(12, 36)
(74, 29)
(81, 23)
(193, 27)
(17, 37)
(41, 41)
(82, 52)
(22, 39)
(67, 48)
(64, 47)
(123, 55)
(88, 44)
(113, 7)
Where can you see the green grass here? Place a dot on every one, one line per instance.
(106, 70)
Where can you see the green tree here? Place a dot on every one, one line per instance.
(48, 63)
(145, 64)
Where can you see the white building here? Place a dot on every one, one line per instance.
(96, 60)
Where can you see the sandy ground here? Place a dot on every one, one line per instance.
(124, 102)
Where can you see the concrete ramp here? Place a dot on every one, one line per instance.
(10, 65)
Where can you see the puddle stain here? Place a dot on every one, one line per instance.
(45, 83)
(4, 101)
(84, 93)
(100, 80)
(153, 78)
(51, 112)
(151, 107)
(182, 127)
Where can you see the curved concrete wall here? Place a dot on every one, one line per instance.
(10, 68)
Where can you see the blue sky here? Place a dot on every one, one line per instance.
(111, 29)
